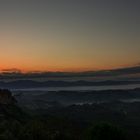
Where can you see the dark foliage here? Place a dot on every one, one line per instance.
(105, 131)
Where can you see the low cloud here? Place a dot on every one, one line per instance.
(13, 70)
(16, 73)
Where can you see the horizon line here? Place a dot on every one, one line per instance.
(19, 71)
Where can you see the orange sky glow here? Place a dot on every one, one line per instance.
(51, 37)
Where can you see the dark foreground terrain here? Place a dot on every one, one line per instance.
(112, 120)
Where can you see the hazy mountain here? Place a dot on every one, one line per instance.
(37, 84)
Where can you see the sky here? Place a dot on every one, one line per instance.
(69, 35)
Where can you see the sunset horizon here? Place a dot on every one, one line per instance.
(69, 70)
(69, 36)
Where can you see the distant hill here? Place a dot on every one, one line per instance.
(37, 84)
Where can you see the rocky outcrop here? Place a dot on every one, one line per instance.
(6, 97)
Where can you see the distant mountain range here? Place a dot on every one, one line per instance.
(37, 84)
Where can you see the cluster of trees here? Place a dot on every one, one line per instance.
(15, 124)
(39, 130)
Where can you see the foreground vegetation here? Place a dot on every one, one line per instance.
(41, 130)
(111, 121)
(17, 125)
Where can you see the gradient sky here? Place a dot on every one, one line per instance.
(69, 35)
